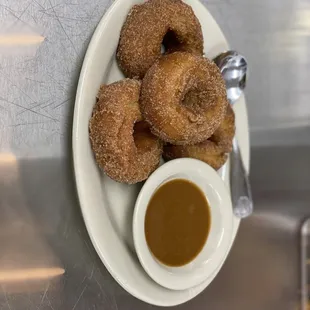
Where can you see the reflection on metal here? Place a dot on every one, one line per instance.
(302, 21)
(10, 40)
(7, 159)
(305, 262)
(277, 220)
(29, 274)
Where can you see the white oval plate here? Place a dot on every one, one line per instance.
(107, 206)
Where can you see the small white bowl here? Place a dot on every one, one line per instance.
(219, 238)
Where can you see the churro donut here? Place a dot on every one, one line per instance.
(183, 97)
(225, 133)
(206, 151)
(126, 154)
(212, 151)
(151, 24)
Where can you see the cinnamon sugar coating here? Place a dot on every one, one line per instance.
(183, 97)
(212, 151)
(151, 24)
(125, 155)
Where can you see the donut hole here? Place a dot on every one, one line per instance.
(194, 100)
(171, 42)
(142, 136)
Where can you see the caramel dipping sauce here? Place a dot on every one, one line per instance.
(177, 222)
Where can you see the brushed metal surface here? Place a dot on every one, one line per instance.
(305, 264)
(47, 260)
(274, 37)
(41, 228)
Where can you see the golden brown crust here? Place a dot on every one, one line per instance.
(225, 133)
(206, 151)
(212, 151)
(183, 97)
(123, 156)
(148, 25)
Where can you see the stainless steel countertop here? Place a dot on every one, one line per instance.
(47, 260)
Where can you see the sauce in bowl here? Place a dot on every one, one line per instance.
(177, 222)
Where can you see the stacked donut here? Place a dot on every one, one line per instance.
(173, 102)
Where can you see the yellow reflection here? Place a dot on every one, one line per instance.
(29, 274)
(7, 158)
(302, 19)
(9, 40)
